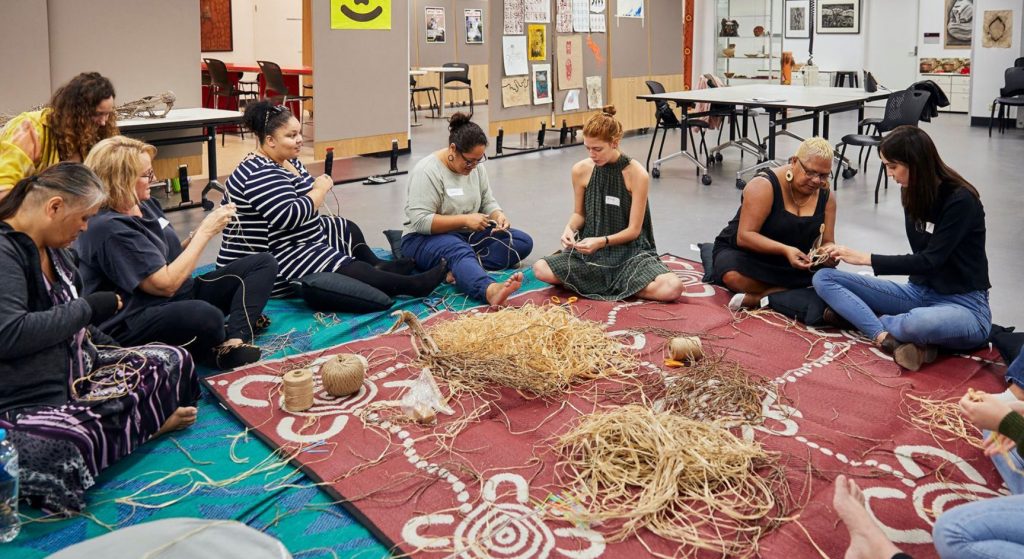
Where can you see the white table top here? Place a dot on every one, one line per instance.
(440, 69)
(196, 116)
(417, 72)
(774, 96)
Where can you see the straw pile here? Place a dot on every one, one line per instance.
(687, 481)
(715, 389)
(943, 420)
(537, 350)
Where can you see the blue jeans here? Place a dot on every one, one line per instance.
(469, 255)
(1015, 372)
(911, 313)
(986, 529)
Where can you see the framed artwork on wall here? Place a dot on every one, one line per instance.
(215, 26)
(797, 19)
(958, 24)
(838, 17)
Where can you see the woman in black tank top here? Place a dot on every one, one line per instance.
(785, 213)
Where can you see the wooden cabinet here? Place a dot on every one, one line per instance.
(957, 88)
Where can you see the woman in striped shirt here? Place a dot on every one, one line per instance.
(278, 204)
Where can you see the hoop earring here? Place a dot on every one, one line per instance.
(789, 175)
(451, 158)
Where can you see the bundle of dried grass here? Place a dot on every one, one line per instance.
(943, 420)
(719, 390)
(690, 482)
(537, 350)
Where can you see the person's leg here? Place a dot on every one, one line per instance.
(194, 325)
(749, 291)
(241, 290)
(428, 250)
(1015, 376)
(1010, 467)
(666, 287)
(867, 541)
(946, 325)
(500, 250)
(542, 271)
(346, 236)
(986, 529)
(861, 298)
(419, 285)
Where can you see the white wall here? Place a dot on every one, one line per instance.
(989, 64)
(23, 30)
(932, 20)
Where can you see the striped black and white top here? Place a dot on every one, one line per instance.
(275, 215)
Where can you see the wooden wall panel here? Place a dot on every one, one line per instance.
(359, 146)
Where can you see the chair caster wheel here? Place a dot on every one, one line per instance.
(656, 172)
(718, 157)
(207, 205)
(849, 173)
(705, 180)
(740, 183)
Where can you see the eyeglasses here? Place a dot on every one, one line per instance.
(472, 162)
(812, 175)
(149, 175)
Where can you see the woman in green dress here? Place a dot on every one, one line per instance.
(608, 250)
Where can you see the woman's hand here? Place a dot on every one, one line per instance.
(590, 245)
(985, 411)
(214, 223)
(27, 140)
(841, 253)
(568, 237)
(324, 183)
(501, 220)
(829, 261)
(797, 258)
(476, 222)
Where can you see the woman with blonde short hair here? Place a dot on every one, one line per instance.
(785, 214)
(132, 249)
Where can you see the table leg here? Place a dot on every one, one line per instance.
(211, 162)
(824, 125)
(440, 93)
(772, 116)
(815, 124)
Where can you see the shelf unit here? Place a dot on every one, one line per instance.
(957, 88)
(749, 14)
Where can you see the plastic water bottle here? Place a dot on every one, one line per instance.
(10, 523)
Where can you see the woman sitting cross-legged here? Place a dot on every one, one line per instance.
(609, 250)
(784, 212)
(132, 249)
(73, 402)
(450, 214)
(279, 205)
(945, 304)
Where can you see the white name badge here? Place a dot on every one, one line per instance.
(454, 191)
(611, 200)
(163, 222)
(929, 227)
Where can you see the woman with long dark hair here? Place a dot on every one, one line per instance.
(945, 304)
(73, 401)
(80, 114)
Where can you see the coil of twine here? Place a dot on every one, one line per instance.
(685, 349)
(343, 374)
(298, 390)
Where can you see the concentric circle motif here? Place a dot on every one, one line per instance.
(691, 278)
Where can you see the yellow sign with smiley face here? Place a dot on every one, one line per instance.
(360, 14)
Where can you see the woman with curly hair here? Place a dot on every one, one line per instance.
(80, 114)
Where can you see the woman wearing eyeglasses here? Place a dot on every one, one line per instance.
(131, 249)
(451, 214)
(279, 206)
(80, 114)
(945, 304)
(784, 213)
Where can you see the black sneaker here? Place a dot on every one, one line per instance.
(832, 318)
(236, 356)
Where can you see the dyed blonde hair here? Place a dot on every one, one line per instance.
(603, 126)
(117, 161)
(815, 148)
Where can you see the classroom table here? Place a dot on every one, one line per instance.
(441, 70)
(817, 103)
(184, 119)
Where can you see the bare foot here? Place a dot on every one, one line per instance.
(866, 539)
(497, 293)
(450, 278)
(1017, 391)
(180, 419)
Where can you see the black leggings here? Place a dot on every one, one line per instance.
(198, 323)
(392, 284)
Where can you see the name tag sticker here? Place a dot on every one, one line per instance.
(163, 223)
(454, 191)
(929, 227)
(611, 200)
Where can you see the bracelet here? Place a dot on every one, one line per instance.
(606, 241)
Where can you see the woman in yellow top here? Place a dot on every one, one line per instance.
(80, 114)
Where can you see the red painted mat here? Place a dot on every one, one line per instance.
(842, 419)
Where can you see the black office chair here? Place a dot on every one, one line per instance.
(731, 114)
(276, 90)
(460, 77)
(902, 107)
(1019, 63)
(1010, 95)
(431, 92)
(220, 86)
(667, 120)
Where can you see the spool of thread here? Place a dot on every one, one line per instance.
(343, 374)
(298, 390)
(685, 349)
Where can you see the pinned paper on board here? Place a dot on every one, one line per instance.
(346, 14)
(514, 54)
(630, 8)
(538, 11)
(595, 97)
(594, 48)
(515, 91)
(597, 6)
(474, 26)
(997, 29)
(541, 84)
(572, 101)
(563, 16)
(581, 16)
(435, 24)
(513, 18)
(597, 23)
(538, 41)
(569, 55)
